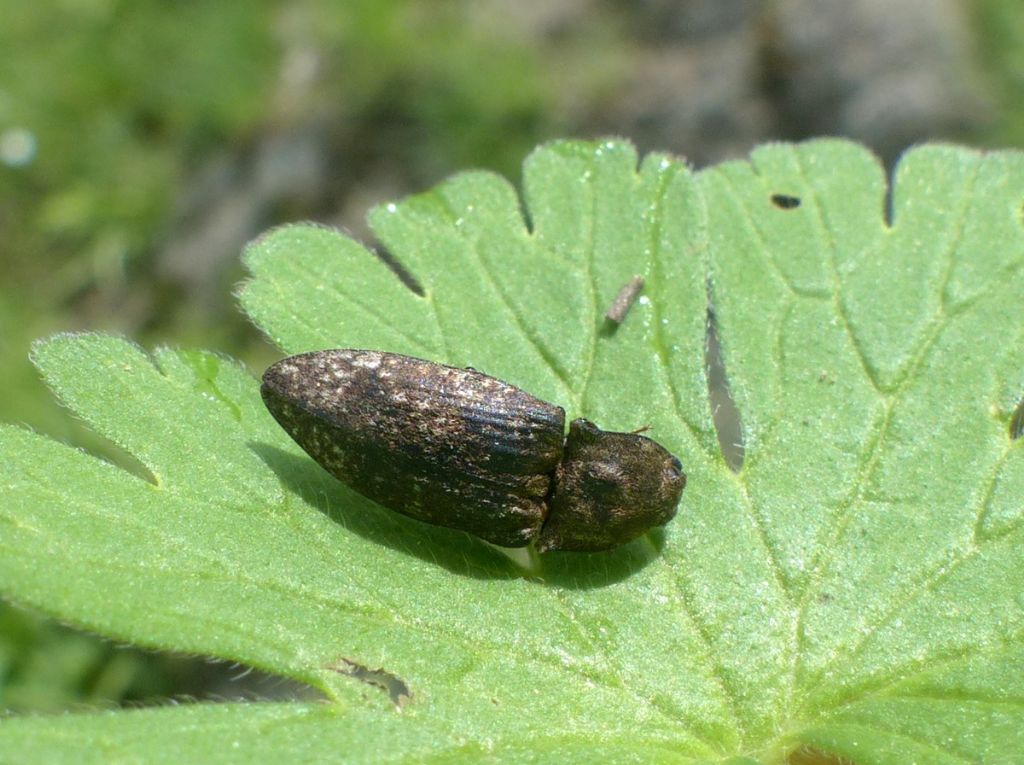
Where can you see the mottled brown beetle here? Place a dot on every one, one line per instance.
(458, 448)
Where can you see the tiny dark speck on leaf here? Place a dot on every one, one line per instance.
(785, 201)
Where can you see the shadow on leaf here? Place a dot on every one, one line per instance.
(587, 571)
(456, 551)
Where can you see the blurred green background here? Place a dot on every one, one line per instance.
(143, 143)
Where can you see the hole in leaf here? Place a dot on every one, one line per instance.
(403, 273)
(785, 201)
(1017, 421)
(806, 755)
(723, 408)
(395, 687)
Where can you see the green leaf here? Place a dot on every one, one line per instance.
(854, 588)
